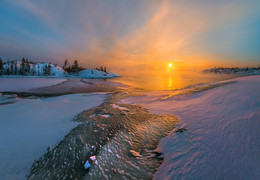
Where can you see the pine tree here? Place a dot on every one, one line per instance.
(33, 70)
(27, 68)
(49, 69)
(12, 68)
(8, 67)
(66, 63)
(45, 70)
(22, 67)
(38, 70)
(75, 67)
(15, 68)
(1, 66)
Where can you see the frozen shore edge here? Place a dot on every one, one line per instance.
(221, 138)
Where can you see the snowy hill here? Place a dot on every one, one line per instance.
(241, 71)
(96, 74)
(26, 68)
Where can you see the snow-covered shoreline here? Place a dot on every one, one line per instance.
(29, 126)
(222, 136)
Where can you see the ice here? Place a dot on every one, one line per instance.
(119, 107)
(105, 115)
(93, 158)
(29, 126)
(87, 165)
(221, 137)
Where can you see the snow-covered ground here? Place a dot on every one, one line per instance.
(22, 84)
(95, 74)
(29, 126)
(222, 140)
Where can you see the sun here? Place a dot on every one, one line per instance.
(170, 65)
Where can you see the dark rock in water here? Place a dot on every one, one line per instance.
(180, 130)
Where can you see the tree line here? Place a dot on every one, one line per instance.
(75, 68)
(24, 67)
(28, 68)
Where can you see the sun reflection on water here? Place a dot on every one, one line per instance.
(170, 83)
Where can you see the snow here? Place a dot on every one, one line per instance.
(22, 84)
(221, 140)
(29, 126)
(119, 107)
(95, 74)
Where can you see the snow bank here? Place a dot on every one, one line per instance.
(22, 84)
(29, 126)
(222, 136)
(95, 74)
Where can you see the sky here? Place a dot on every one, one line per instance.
(132, 34)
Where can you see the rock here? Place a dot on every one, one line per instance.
(180, 130)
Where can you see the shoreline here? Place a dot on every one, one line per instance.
(103, 113)
(220, 136)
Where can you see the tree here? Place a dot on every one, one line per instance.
(27, 67)
(47, 70)
(8, 67)
(38, 70)
(15, 68)
(75, 67)
(22, 67)
(33, 70)
(1, 66)
(12, 67)
(66, 63)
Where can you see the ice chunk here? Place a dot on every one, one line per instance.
(119, 107)
(87, 165)
(93, 158)
(105, 115)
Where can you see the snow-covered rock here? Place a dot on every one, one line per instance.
(95, 74)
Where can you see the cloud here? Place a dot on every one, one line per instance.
(129, 33)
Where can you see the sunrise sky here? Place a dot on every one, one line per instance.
(132, 33)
